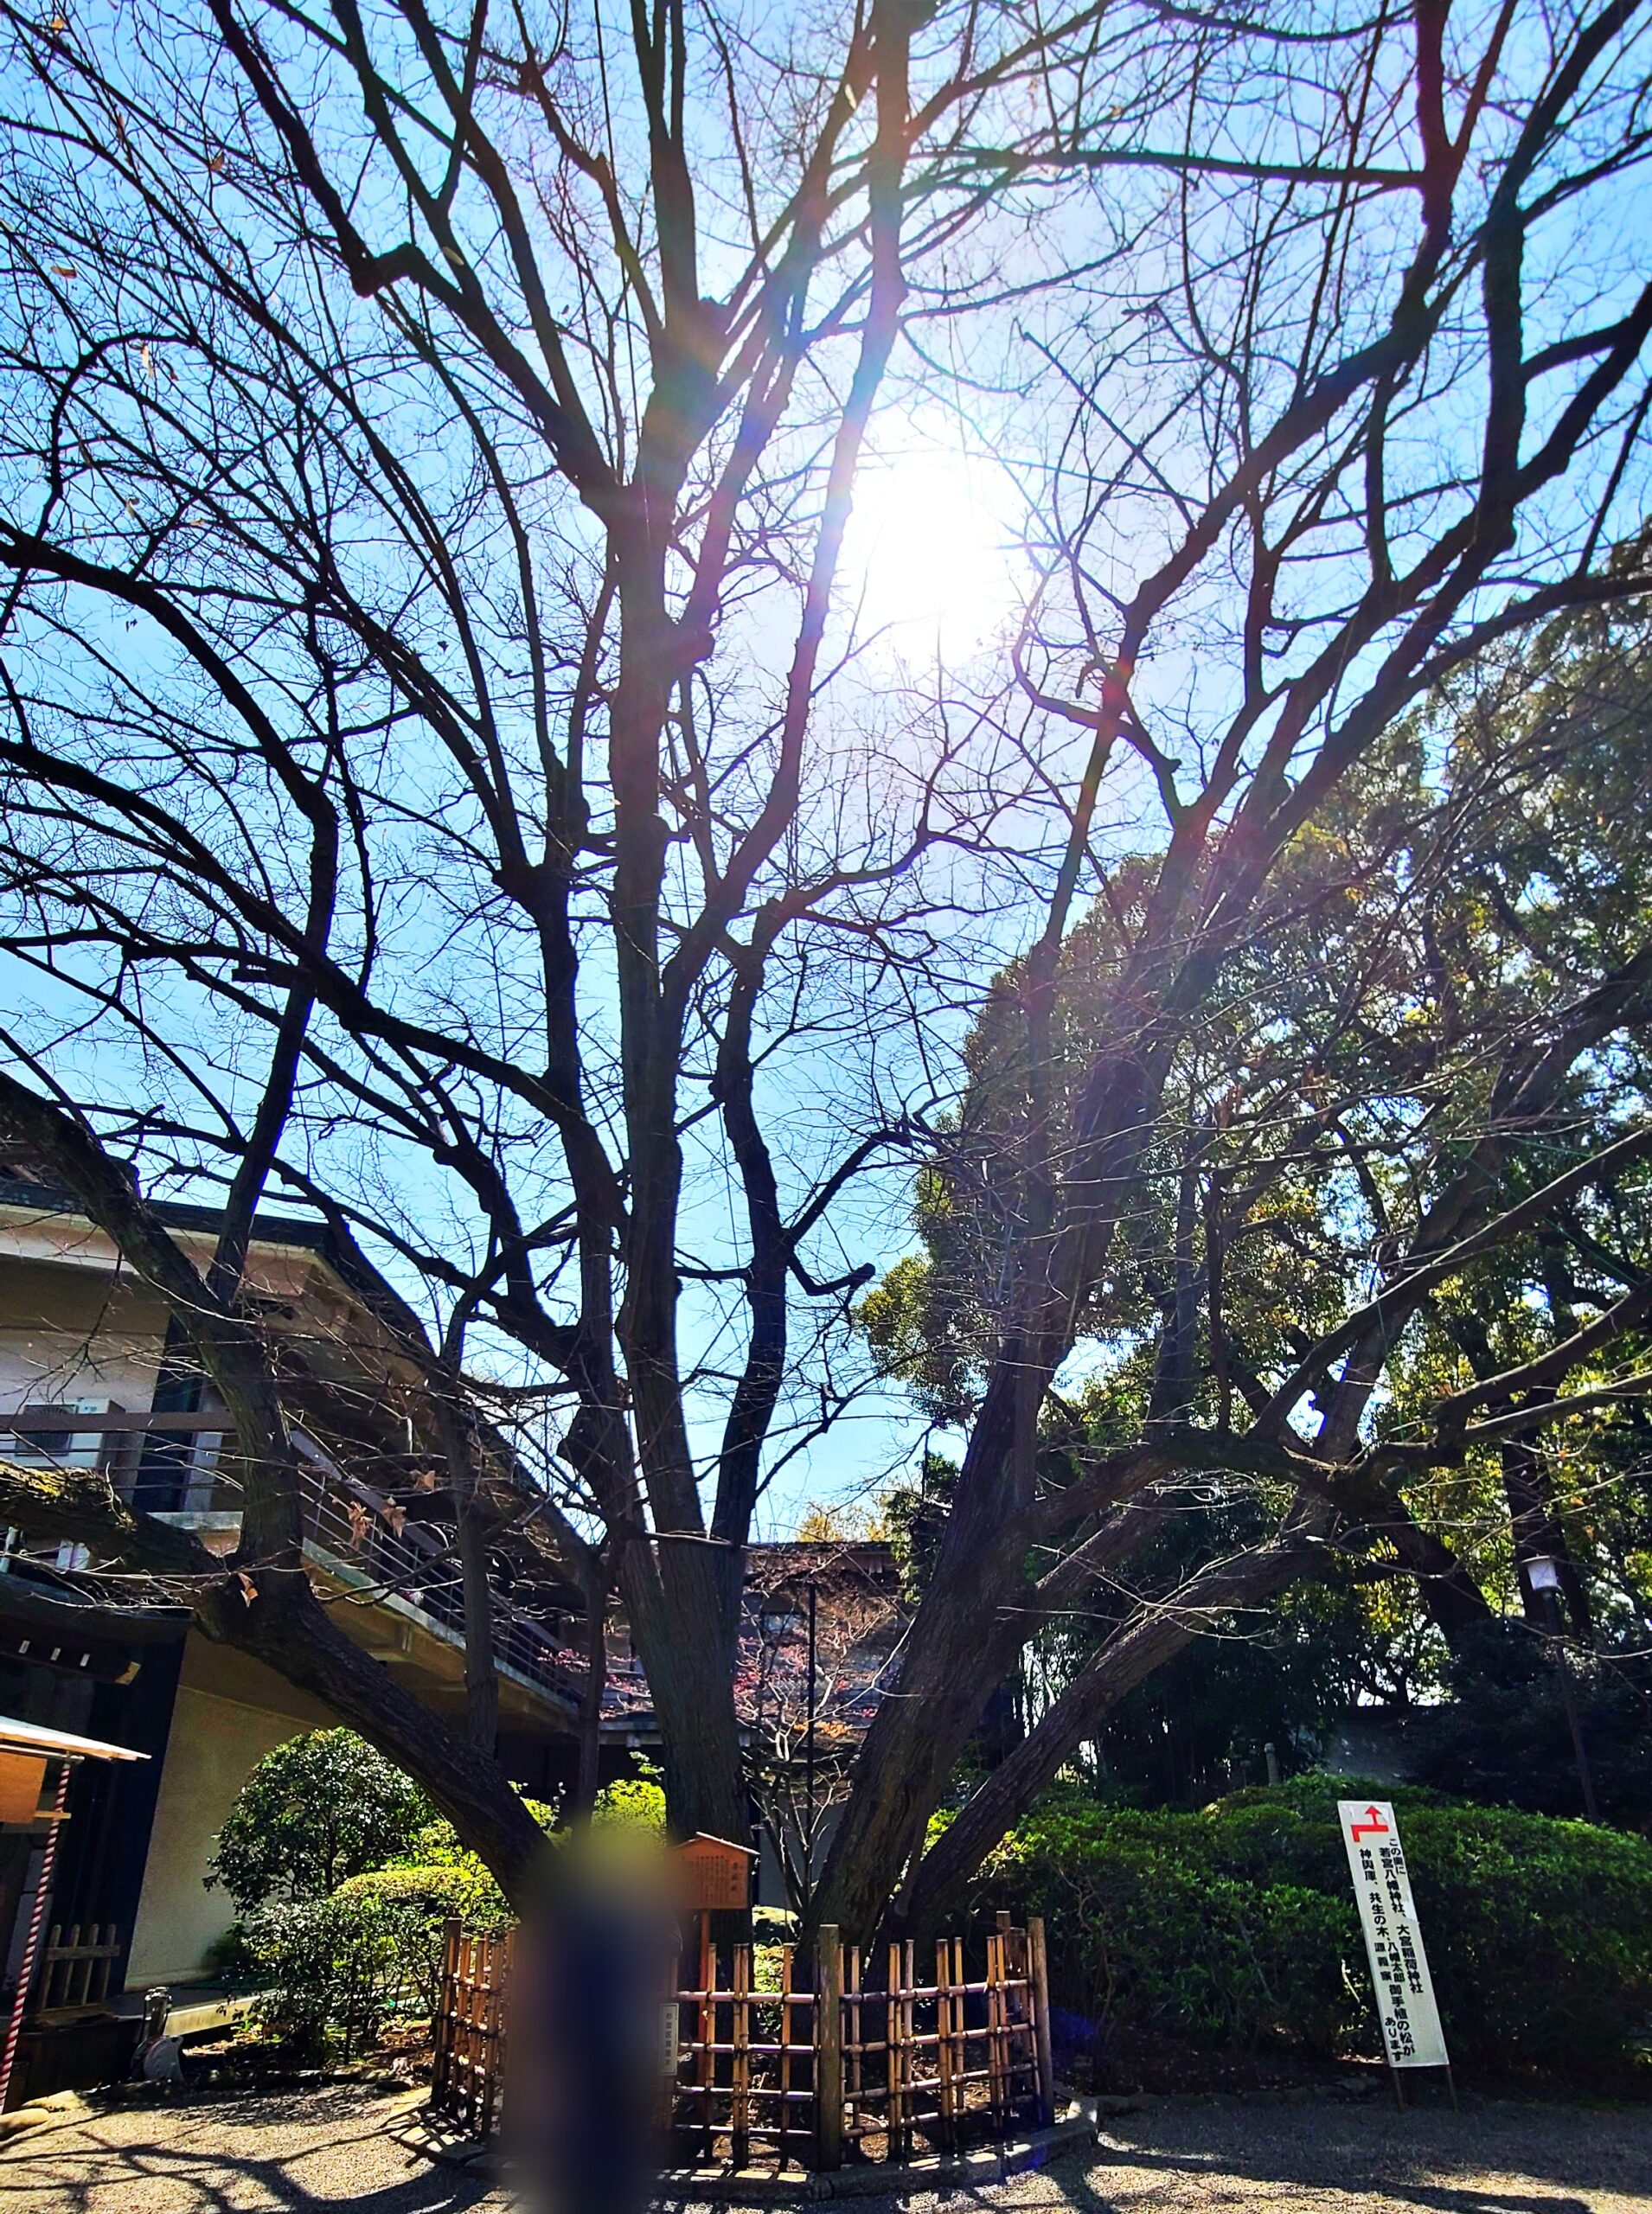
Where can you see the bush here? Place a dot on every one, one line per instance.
(435, 1892)
(1236, 1925)
(439, 1871)
(320, 1808)
(339, 1968)
(633, 1803)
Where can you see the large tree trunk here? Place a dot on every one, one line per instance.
(285, 1626)
(674, 1617)
(958, 1653)
(1127, 1659)
(588, 1779)
(968, 1627)
(481, 1668)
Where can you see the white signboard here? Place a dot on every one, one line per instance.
(1393, 1943)
(671, 2048)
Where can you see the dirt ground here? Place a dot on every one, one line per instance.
(301, 2153)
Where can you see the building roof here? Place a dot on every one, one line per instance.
(331, 1245)
(30, 1738)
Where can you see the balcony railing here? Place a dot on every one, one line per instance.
(349, 1526)
(363, 1536)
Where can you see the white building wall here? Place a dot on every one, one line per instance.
(66, 1333)
(218, 1734)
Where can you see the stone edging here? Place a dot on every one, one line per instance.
(421, 2132)
(55, 2110)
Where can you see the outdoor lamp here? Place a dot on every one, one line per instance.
(1543, 1580)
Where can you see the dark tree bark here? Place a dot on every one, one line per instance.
(496, 825)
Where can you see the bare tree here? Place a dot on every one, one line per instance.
(814, 1662)
(437, 782)
(1337, 436)
(430, 444)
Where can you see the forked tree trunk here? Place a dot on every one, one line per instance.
(1125, 1661)
(588, 1780)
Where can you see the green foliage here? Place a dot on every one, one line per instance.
(436, 1890)
(436, 1867)
(635, 1802)
(321, 1807)
(1484, 867)
(338, 1968)
(1236, 1925)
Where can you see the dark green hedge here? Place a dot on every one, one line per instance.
(1236, 1925)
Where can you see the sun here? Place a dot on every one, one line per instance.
(929, 556)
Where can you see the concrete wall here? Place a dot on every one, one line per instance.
(67, 1333)
(231, 1710)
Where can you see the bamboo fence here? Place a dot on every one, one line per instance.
(467, 2080)
(875, 2053)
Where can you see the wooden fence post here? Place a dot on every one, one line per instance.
(441, 2084)
(1039, 1977)
(828, 2048)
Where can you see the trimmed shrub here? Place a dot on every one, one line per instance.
(439, 1877)
(1236, 1925)
(319, 1808)
(435, 1892)
(338, 1968)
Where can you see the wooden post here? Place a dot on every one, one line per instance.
(961, 2025)
(706, 2016)
(944, 2041)
(441, 2073)
(855, 2083)
(998, 2087)
(739, 2070)
(1039, 1977)
(31, 1940)
(908, 2035)
(785, 2049)
(828, 2048)
(893, 2108)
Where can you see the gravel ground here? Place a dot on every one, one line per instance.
(329, 2148)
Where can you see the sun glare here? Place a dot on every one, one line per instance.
(931, 561)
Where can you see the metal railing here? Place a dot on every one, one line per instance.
(369, 1537)
(354, 1528)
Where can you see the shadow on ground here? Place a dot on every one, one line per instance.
(232, 2156)
(294, 2152)
(1268, 2155)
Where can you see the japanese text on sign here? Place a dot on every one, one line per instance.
(1411, 2035)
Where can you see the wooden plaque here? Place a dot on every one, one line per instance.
(714, 1875)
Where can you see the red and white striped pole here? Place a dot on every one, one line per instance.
(31, 1943)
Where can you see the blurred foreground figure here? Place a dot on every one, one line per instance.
(588, 1983)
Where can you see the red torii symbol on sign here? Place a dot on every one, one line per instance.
(1372, 1826)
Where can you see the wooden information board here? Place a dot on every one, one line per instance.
(714, 1875)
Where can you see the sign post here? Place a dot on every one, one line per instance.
(1412, 2036)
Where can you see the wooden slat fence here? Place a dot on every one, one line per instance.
(916, 2064)
(75, 1967)
(467, 2081)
